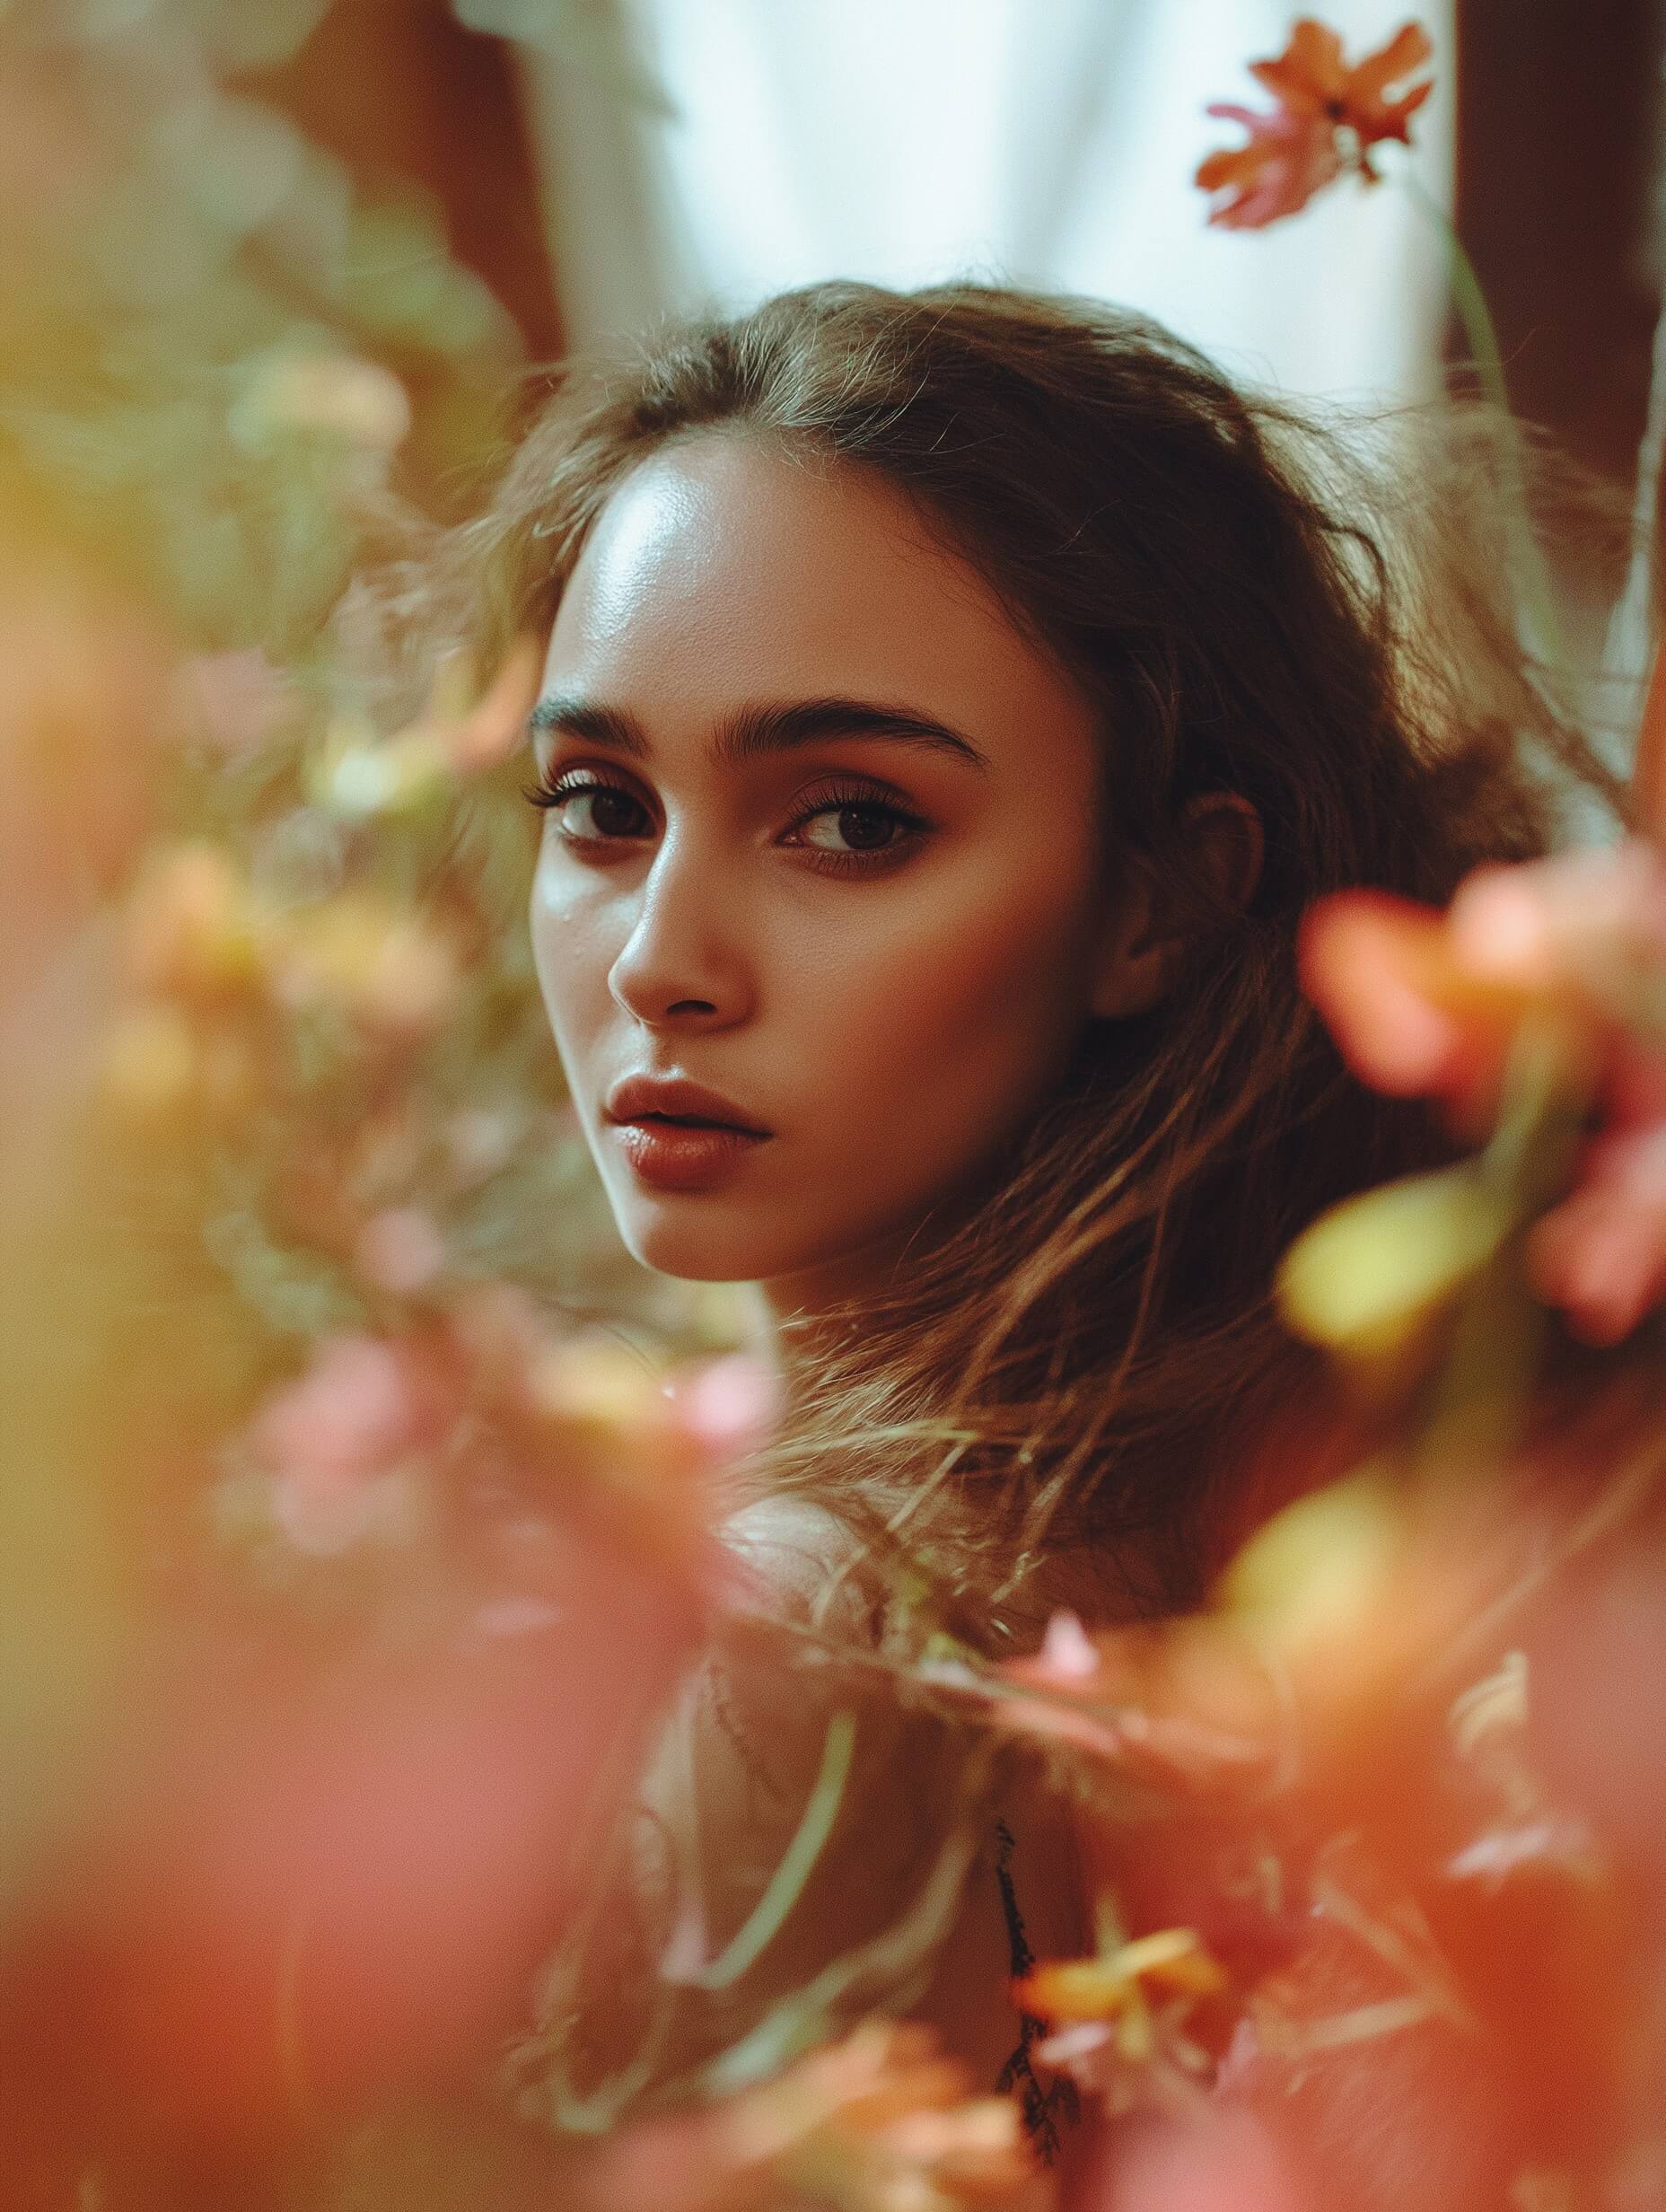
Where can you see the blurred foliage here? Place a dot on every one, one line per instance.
(304, 1264)
(230, 378)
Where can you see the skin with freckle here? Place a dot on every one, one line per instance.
(891, 1023)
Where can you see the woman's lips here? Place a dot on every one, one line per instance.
(675, 1155)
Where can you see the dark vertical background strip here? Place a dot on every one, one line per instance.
(1558, 127)
(399, 91)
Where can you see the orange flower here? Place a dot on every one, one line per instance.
(1121, 2018)
(1110, 1985)
(1327, 119)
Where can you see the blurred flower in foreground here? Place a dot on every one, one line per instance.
(1179, 1701)
(1534, 1011)
(879, 2122)
(1327, 119)
(322, 1870)
(580, 1426)
(341, 1440)
(1385, 1804)
(1214, 2159)
(1429, 1005)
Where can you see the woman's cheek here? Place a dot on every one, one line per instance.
(950, 1036)
(571, 952)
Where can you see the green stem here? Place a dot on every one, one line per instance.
(1498, 1333)
(1481, 337)
(786, 1883)
(1479, 331)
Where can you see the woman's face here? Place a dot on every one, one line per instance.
(823, 841)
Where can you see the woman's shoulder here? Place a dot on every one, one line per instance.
(791, 1543)
(805, 1589)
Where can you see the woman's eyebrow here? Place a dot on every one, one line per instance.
(597, 726)
(751, 732)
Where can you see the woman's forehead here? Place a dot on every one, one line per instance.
(721, 569)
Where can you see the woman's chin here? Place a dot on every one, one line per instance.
(675, 1237)
(696, 1249)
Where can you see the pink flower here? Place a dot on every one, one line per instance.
(728, 1407)
(1428, 1004)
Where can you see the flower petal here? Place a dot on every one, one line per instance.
(1311, 72)
(1372, 114)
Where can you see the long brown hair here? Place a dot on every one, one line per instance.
(1315, 615)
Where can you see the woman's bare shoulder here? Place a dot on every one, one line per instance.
(801, 1558)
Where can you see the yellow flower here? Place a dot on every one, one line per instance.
(191, 928)
(1370, 1280)
(1320, 1572)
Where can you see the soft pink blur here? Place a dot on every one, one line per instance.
(313, 1875)
(1429, 1005)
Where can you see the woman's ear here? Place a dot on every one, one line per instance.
(1144, 939)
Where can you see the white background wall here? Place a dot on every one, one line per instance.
(1047, 142)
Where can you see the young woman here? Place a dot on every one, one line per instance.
(951, 703)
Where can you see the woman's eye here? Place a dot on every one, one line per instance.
(866, 826)
(854, 830)
(591, 813)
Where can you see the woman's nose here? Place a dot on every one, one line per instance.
(682, 960)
